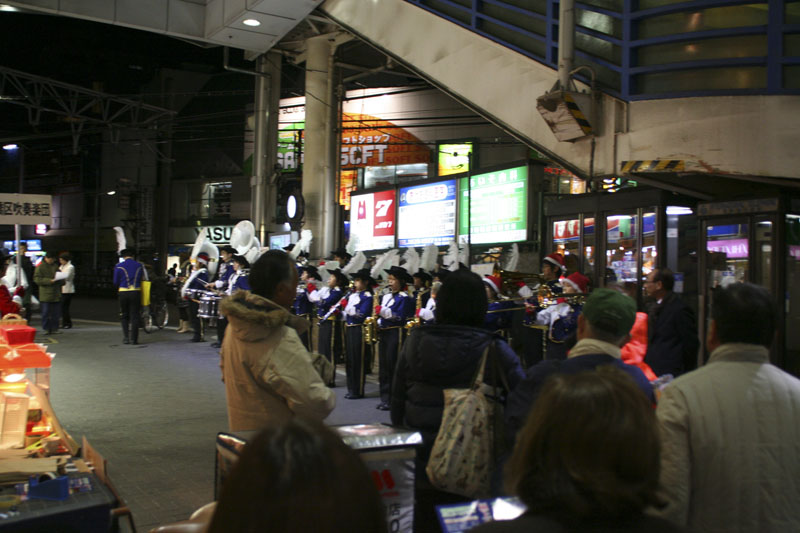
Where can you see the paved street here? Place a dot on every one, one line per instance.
(153, 410)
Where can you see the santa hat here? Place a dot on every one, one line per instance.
(493, 282)
(202, 258)
(555, 259)
(578, 281)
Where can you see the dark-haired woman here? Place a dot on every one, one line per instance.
(587, 459)
(442, 356)
(328, 309)
(299, 476)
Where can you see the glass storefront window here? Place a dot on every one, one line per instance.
(622, 252)
(728, 252)
(792, 297)
(566, 236)
(216, 200)
(649, 251)
(392, 175)
(763, 254)
(589, 248)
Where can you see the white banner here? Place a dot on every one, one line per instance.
(26, 209)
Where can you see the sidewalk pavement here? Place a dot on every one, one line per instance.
(154, 409)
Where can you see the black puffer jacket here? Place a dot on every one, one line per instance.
(439, 357)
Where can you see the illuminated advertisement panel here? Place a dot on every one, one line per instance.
(372, 224)
(454, 158)
(427, 214)
(499, 206)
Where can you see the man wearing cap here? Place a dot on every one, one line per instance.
(128, 276)
(357, 309)
(498, 314)
(395, 309)
(302, 306)
(562, 319)
(603, 327)
(534, 336)
(197, 282)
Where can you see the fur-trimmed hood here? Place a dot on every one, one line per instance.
(253, 317)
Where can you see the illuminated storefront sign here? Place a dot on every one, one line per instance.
(427, 214)
(499, 206)
(454, 158)
(372, 222)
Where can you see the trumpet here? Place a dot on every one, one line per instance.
(511, 279)
(546, 297)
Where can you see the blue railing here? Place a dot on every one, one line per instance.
(648, 49)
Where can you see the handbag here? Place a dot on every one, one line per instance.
(324, 368)
(145, 286)
(462, 457)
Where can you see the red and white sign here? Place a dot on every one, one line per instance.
(372, 220)
(566, 229)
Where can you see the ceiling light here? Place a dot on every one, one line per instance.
(251, 22)
(10, 147)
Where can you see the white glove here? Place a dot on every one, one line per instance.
(386, 312)
(426, 314)
(18, 300)
(525, 292)
(351, 311)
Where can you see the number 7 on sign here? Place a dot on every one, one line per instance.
(382, 207)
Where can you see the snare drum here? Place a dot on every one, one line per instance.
(209, 306)
(194, 294)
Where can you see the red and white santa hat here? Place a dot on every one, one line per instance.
(493, 282)
(556, 259)
(202, 258)
(578, 281)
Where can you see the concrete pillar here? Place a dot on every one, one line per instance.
(319, 166)
(258, 179)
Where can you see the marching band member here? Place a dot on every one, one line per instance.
(303, 307)
(395, 309)
(534, 336)
(562, 319)
(498, 315)
(221, 286)
(197, 281)
(428, 313)
(236, 281)
(422, 292)
(330, 344)
(357, 309)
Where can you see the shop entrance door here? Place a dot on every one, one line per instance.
(740, 249)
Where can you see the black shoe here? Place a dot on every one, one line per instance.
(125, 341)
(135, 342)
(196, 339)
(216, 345)
(68, 326)
(350, 396)
(383, 406)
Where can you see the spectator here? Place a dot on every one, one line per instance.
(603, 327)
(68, 289)
(442, 356)
(297, 475)
(49, 292)
(587, 459)
(33, 289)
(267, 371)
(7, 303)
(672, 340)
(730, 430)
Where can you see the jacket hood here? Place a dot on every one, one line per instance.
(253, 317)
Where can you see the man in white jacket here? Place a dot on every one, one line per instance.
(731, 429)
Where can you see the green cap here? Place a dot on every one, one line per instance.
(610, 311)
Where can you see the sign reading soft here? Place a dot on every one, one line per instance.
(372, 220)
(427, 214)
(499, 206)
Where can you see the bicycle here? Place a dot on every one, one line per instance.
(155, 316)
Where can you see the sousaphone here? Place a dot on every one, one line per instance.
(204, 245)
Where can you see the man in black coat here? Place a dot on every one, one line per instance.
(672, 341)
